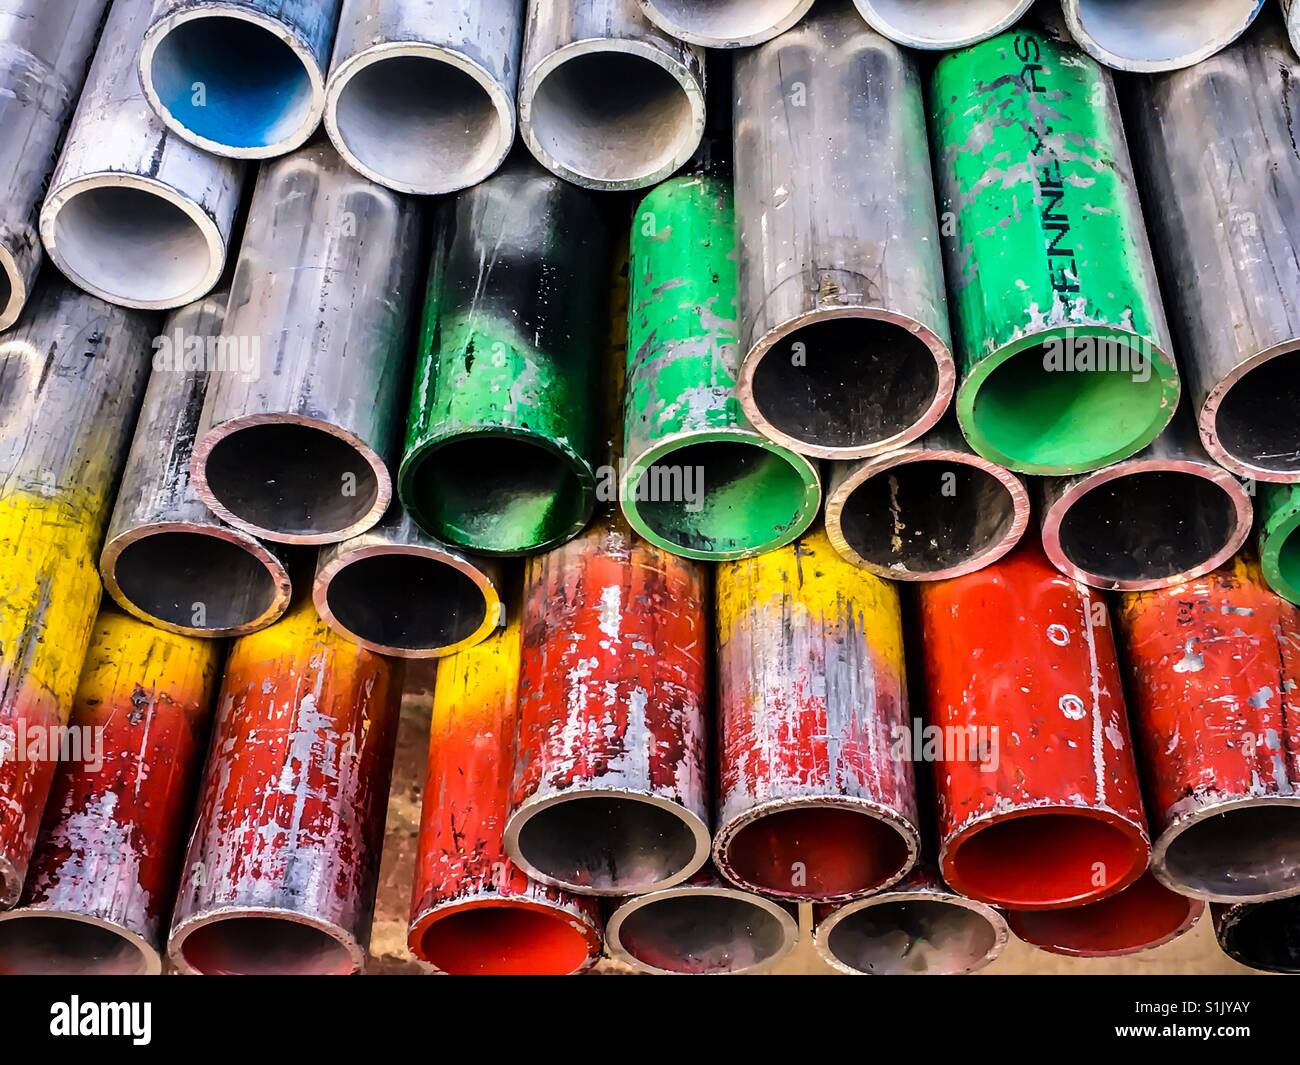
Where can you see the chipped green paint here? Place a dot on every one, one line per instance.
(699, 481)
(1279, 538)
(1063, 341)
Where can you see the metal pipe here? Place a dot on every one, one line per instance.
(239, 78)
(1213, 665)
(395, 591)
(1224, 184)
(699, 481)
(941, 24)
(725, 23)
(71, 375)
(930, 511)
(607, 99)
(610, 794)
(813, 802)
(918, 927)
(45, 47)
(1279, 546)
(473, 911)
(1037, 787)
(295, 447)
(1168, 514)
(1157, 35)
(1262, 935)
(421, 96)
(282, 865)
(842, 307)
(1291, 13)
(703, 927)
(166, 558)
(105, 866)
(1142, 917)
(1063, 340)
(135, 215)
(502, 434)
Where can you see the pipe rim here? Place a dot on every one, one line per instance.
(149, 959)
(808, 508)
(1273, 540)
(11, 883)
(691, 33)
(184, 929)
(789, 926)
(839, 499)
(159, 30)
(493, 607)
(17, 282)
(679, 72)
(275, 568)
(341, 77)
(1207, 418)
(997, 922)
(945, 372)
(1228, 924)
(61, 197)
(1054, 515)
(881, 24)
(1085, 40)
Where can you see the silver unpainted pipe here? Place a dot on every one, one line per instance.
(167, 559)
(239, 78)
(421, 96)
(45, 47)
(1166, 515)
(1147, 36)
(296, 449)
(843, 311)
(725, 23)
(398, 592)
(1291, 12)
(135, 215)
(1215, 148)
(930, 511)
(941, 24)
(607, 99)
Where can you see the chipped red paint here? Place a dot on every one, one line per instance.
(1046, 812)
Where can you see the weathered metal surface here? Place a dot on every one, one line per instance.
(611, 788)
(503, 426)
(699, 481)
(71, 375)
(421, 96)
(135, 215)
(844, 318)
(941, 24)
(1213, 666)
(1262, 935)
(295, 447)
(1279, 546)
(814, 801)
(1291, 14)
(725, 23)
(103, 874)
(1157, 35)
(1063, 341)
(1035, 778)
(280, 873)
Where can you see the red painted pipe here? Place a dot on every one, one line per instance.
(610, 791)
(282, 866)
(473, 911)
(1213, 665)
(1262, 935)
(1022, 660)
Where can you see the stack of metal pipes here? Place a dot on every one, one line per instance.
(843, 456)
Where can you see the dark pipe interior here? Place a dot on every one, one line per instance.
(1250, 850)
(1256, 421)
(56, 946)
(264, 946)
(698, 933)
(912, 936)
(1267, 935)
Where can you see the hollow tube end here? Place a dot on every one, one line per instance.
(734, 23)
(13, 287)
(1235, 424)
(42, 942)
(1264, 936)
(258, 941)
(942, 26)
(1108, 39)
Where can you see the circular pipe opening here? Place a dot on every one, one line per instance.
(1264, 936)
(41, 943)
(914, 936)
(240, 945)
(504, 939)
(817, 852)
(1255, 424)
(13, 289)
(725, 23)
(702, 932)
(1239, 853)
(1159, 34)
(941, 23)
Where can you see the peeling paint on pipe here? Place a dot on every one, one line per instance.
(941, 24)
(1157, 35)
(1279, 544)
(282, 865)
(814, 802)
(134, 215)
(1262, 935)
(104, 871)
(725, 23)
(71, 376)
(421, 96)
(843, 313)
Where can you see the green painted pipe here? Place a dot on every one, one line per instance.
(503, 427)
(1063, 340)
(699, 481)
(1279, 538)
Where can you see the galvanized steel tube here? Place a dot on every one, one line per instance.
(843, 313)
(1262, 935)
(813, 801)
(421, 96)
(105, 867)
(1291, 12)
(134, 214)
(941, 24)
(295, 448)
(1063, 340)
(725, 23)
(1155, 35)
(239, 78)
(608, 100)
(1279, 544)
